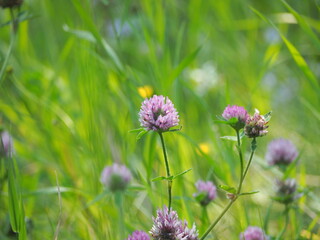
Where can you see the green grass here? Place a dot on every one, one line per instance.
(70, 95)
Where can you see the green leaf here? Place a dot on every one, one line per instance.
(158, 179)
(267, 116)
(141, 134)
(136, 130)
(228, 189)
(182, 173)
(230, 138)
(221, 118)
(248, 193)
(199, 197)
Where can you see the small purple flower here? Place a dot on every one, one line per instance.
(116, 177)
(236, 112)
(207, 192)
(281, 152)
(168, 226)
(139, 235)
(253, 233)
(6, 146)
(158, 114)
(286, 191)
(256, 126)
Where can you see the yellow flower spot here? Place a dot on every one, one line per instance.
(307, 234)
(204, 147)
(145, 91)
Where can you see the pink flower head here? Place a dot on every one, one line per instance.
(253, 233)
(139, 235)
(236, 112)
(116, 177)
(158, 114)
(168, 226)
(281, 152)
(256, 126)
(6, 145)
(208, 189)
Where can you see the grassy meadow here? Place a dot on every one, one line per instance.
(73, 85)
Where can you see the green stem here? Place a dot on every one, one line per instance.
(119, 203)
(218, 219)
(249, 162)
(286, 211)
(14, 27)
(242, 176)
(241, 162)
(167, 169)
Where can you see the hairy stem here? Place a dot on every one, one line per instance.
(241, 162)
(218, 219)
(167, 170)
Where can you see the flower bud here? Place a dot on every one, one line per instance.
(116, 177)
(281, 152)
(206, 192)
(256, 126)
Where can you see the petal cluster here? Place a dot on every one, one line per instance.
(168, 226)
(208, 189)
(253, 233)
(281, 152)
(116, 177)
(235, 112)
(158, 114)
(256, 126)
(139, 235)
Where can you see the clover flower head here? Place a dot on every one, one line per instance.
(286, 187)
(116, 177)
(253, 233)
(168, 226)
(6, 145)
(208, 189)
(139, 235)
(158, 114)
(256, 126)
(236, 112)
(281, 152)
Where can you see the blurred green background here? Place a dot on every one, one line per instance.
(73, 88)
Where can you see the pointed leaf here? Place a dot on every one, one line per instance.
(141, 134)
(228, 189)
(158, 179)
(182, 173)
(248, 193)
(230, 138)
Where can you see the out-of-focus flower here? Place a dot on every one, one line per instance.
(256, 126)
(286, 191)
(281, 152)
(116, 177)
(204, 78)
(238, 113)
(207, 192)
(10, 3)
(204, 147)
(253, 233)
(158, 114)
(168, 226)
(145, 91)
(139, 235)
(6, 145)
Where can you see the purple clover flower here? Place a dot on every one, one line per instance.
(281, 152)
(208, 189)
(6, 145)
(253, 233)
(236, 112)
(286, 191)
(139, 235)
(158, 114)
(168, 226)
(256, 126)
(116, 177)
